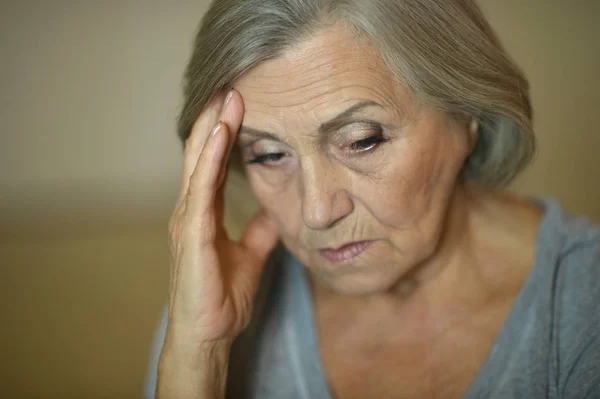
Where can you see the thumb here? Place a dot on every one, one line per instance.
(261, 235)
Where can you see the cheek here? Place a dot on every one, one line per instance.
(279, 196)
(402, 190)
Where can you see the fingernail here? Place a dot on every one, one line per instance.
(229, 95)
(216, 129)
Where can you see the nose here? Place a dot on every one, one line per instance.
(325, 200)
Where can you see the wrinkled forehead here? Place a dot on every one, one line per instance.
(317, 79)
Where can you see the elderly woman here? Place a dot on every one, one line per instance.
(376, 135)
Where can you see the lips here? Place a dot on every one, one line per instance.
(345, 253)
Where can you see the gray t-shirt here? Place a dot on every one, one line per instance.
(549, 347)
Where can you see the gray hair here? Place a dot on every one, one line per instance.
(444, 52)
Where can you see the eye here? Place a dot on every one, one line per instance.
(268, 159)
(368, 143)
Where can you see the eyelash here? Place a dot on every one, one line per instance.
(368, 143)
(272, 157)
(360, 146)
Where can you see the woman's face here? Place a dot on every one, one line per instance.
(337, 153)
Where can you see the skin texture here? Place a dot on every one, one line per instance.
(447, 262)
(325, 194)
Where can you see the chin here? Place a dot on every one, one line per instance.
(360, 283)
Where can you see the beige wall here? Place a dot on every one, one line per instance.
(89, 167)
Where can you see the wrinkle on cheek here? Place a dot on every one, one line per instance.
(365, 230)
(411, 203)
(397, 199)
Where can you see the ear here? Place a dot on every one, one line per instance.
(473, 133)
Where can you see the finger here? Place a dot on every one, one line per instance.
(197, 139)
(261, 235)
(232, 116)
(199, 203)
(220, 196)
(233, 111)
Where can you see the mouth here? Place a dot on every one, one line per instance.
(346, 253)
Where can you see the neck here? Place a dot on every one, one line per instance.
(451, 254)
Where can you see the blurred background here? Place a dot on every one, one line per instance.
(90, 168)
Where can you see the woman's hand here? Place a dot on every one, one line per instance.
(213, 279)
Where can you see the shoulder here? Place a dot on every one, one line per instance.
(572, 244)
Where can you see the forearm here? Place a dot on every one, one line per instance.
(193, 374)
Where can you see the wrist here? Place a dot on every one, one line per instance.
(193, 371)
(196, 355)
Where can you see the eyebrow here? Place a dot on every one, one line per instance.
(337, 122)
